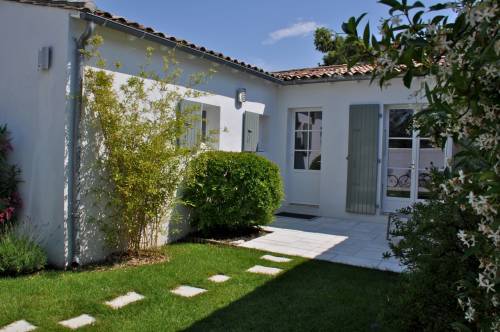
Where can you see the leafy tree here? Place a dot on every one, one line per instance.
(460, 62)
(336, 50)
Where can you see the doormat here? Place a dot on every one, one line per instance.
(296, 215)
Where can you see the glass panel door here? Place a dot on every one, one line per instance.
(408, 161)
(399, 154)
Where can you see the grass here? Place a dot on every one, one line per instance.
(308, 295)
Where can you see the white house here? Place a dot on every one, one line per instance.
(338, 140)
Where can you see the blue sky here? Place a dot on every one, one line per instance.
(272, 34)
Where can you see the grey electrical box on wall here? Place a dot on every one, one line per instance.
(44, 58)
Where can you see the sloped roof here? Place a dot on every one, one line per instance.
(324, 72)
(90, 12)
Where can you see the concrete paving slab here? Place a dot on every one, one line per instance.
(276, 259)
(188, 291)
(19, 326)
(259, 269)
(124, 300)
(78, 322)
(218, 278)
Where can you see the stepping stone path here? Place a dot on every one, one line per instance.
(218, 278)
(19, 326)
(123, 300)
(77, 322)
(264, 270)
(187, 291)
(276, 259)
(130, 297)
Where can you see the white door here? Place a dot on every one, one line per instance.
(304, 175)
(408, 160)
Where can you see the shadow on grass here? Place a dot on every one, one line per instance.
(314, 296)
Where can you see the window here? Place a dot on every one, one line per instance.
(307, 140)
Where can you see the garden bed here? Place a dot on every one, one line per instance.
(227, 237)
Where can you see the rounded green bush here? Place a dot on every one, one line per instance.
(20, 255)
(232, 190)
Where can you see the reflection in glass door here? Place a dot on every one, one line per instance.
(408, 160)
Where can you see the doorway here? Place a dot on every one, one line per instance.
(408, 160)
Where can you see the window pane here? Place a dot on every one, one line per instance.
(399, 122)
(424, 180)
(301, 121)
(400, 143)
(430, 156)
(315, 160)
(316, 121)
(398, 182)
(301, 140)
(315, 140)
(400, 153)
(300, 160)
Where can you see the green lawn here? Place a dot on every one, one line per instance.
(309, 295)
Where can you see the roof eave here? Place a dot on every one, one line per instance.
(327, 79)
(102, 21)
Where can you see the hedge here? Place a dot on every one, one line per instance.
(232, 190)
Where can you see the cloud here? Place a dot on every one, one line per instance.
(299, 29)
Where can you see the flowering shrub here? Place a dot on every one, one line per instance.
(10, 201)
(460, 61)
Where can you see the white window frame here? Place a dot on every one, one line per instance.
(294, 131)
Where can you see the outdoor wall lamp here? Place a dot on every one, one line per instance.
(241, 96)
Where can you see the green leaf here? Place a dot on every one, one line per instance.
(418, 4)
(428, 93)
(408, 78)
(437, 19)
(375, 44)
(457, 326)
(417, 16)
(366, 35)
(360, 18)
(439, 6)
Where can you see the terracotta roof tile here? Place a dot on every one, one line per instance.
(324, 72)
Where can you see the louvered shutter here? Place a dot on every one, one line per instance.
(250, 131)
(363, 159)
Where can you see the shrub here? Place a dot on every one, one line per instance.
(20, 255)
(232, 190)
(10, 201)
(431, 251)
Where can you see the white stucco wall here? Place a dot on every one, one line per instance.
(220, 91)
(33, 105)
(334, 100)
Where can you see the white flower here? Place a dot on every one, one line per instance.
(461, 176)
(495, 237)
(469, 314)
(462, 236)
(484, 282)
(396, 20)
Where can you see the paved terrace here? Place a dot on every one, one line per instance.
(357, 243)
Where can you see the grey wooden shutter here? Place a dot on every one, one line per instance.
(193, 132)
(362, 159)
(250, 131)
